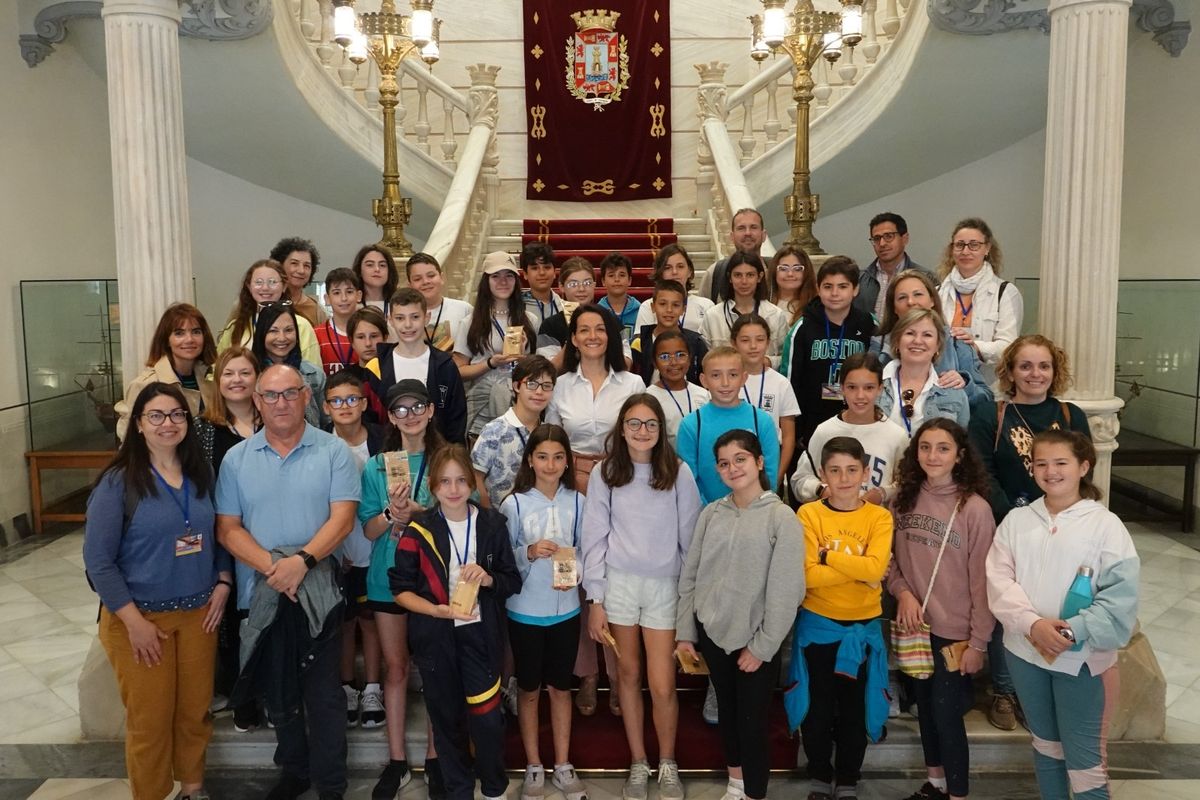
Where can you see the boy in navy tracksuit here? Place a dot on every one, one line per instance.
(442, 379)
(460, 656)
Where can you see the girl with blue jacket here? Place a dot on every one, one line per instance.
(544, 514)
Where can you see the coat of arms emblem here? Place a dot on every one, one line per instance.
(597, 58)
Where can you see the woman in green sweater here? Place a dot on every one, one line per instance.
(1032, 372)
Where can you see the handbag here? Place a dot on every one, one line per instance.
(914, 653)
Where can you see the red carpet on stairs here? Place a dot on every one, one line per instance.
(593, 239)
(598, 741)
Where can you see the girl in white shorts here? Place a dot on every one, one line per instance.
(641, 510)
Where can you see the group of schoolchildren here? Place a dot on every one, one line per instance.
(680, 545)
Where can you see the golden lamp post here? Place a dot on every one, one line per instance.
(387, 38)
(805, 34)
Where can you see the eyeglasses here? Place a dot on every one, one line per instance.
(533, 386)
(400, 412)
(678, 355)
(908, 396)
(584, 284)
(883, 238)
(787, 269)
(271, 398)
(261, 283)
(973, 246)
(156, 418)
(636, 425)
(348, 402)
(275, 303)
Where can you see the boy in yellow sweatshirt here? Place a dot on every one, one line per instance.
(848, 542)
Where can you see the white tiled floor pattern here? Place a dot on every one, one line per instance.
(49, 620)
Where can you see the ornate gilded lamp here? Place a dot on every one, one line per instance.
(805, 35)
(387, 38)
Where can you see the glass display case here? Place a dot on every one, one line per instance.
(1158, 355)
(72, 339)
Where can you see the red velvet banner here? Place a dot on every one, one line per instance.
(598, 95)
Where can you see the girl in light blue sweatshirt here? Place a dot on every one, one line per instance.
(544, 513)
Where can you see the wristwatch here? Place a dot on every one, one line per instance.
(310, 560)
(387, 514)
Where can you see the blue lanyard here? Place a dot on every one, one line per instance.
(837, 362)
(966, 310)
(761, 388)
(898, 404)
(499, 330)
(521, 436)
(542, 307)
(336, 344)
(462, 562)
(420, 476)
(671, 394)
(575, 524)
(185, 506)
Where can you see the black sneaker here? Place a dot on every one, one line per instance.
(433, 780)
(245, 717)
(289, 787)
(395, 777)
(928, 792)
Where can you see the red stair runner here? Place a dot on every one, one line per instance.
(593, 239)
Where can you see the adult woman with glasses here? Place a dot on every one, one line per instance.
(264, 283)
(911, 392)
(985, 311)
(276, 341)
(180, 353)
(151, 554)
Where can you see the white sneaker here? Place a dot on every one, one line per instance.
(567, 782)
(710, 705)
(733, 792)
(635, 785)
(534, 787)
(353, 698)
(371, 710)
(669, 785)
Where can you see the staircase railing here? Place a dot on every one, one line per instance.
(431, 112)
(739, 127)
(461, 231)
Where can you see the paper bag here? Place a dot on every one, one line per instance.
(395, 466)
(565, 568)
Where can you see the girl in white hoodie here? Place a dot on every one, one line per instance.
(1064, 665)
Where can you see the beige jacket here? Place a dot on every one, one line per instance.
(163, 372)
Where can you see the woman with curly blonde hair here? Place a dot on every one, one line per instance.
(1031, 373)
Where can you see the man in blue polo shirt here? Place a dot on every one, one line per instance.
(292, 486)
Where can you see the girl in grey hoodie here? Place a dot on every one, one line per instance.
(738, 593)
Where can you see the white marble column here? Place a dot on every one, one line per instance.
(145, 118)
(1081, 210)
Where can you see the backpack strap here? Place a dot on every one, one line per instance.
(1000, 294)
(1001, 405)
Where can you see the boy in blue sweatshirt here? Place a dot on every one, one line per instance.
(724, 376)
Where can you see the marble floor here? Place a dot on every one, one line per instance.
(49, 615)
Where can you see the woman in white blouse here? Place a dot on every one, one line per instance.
(593, 384)
(986, 311)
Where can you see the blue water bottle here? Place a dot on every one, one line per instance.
(1079, 597)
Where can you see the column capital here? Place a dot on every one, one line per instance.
(169, 9)
(1062, 5)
